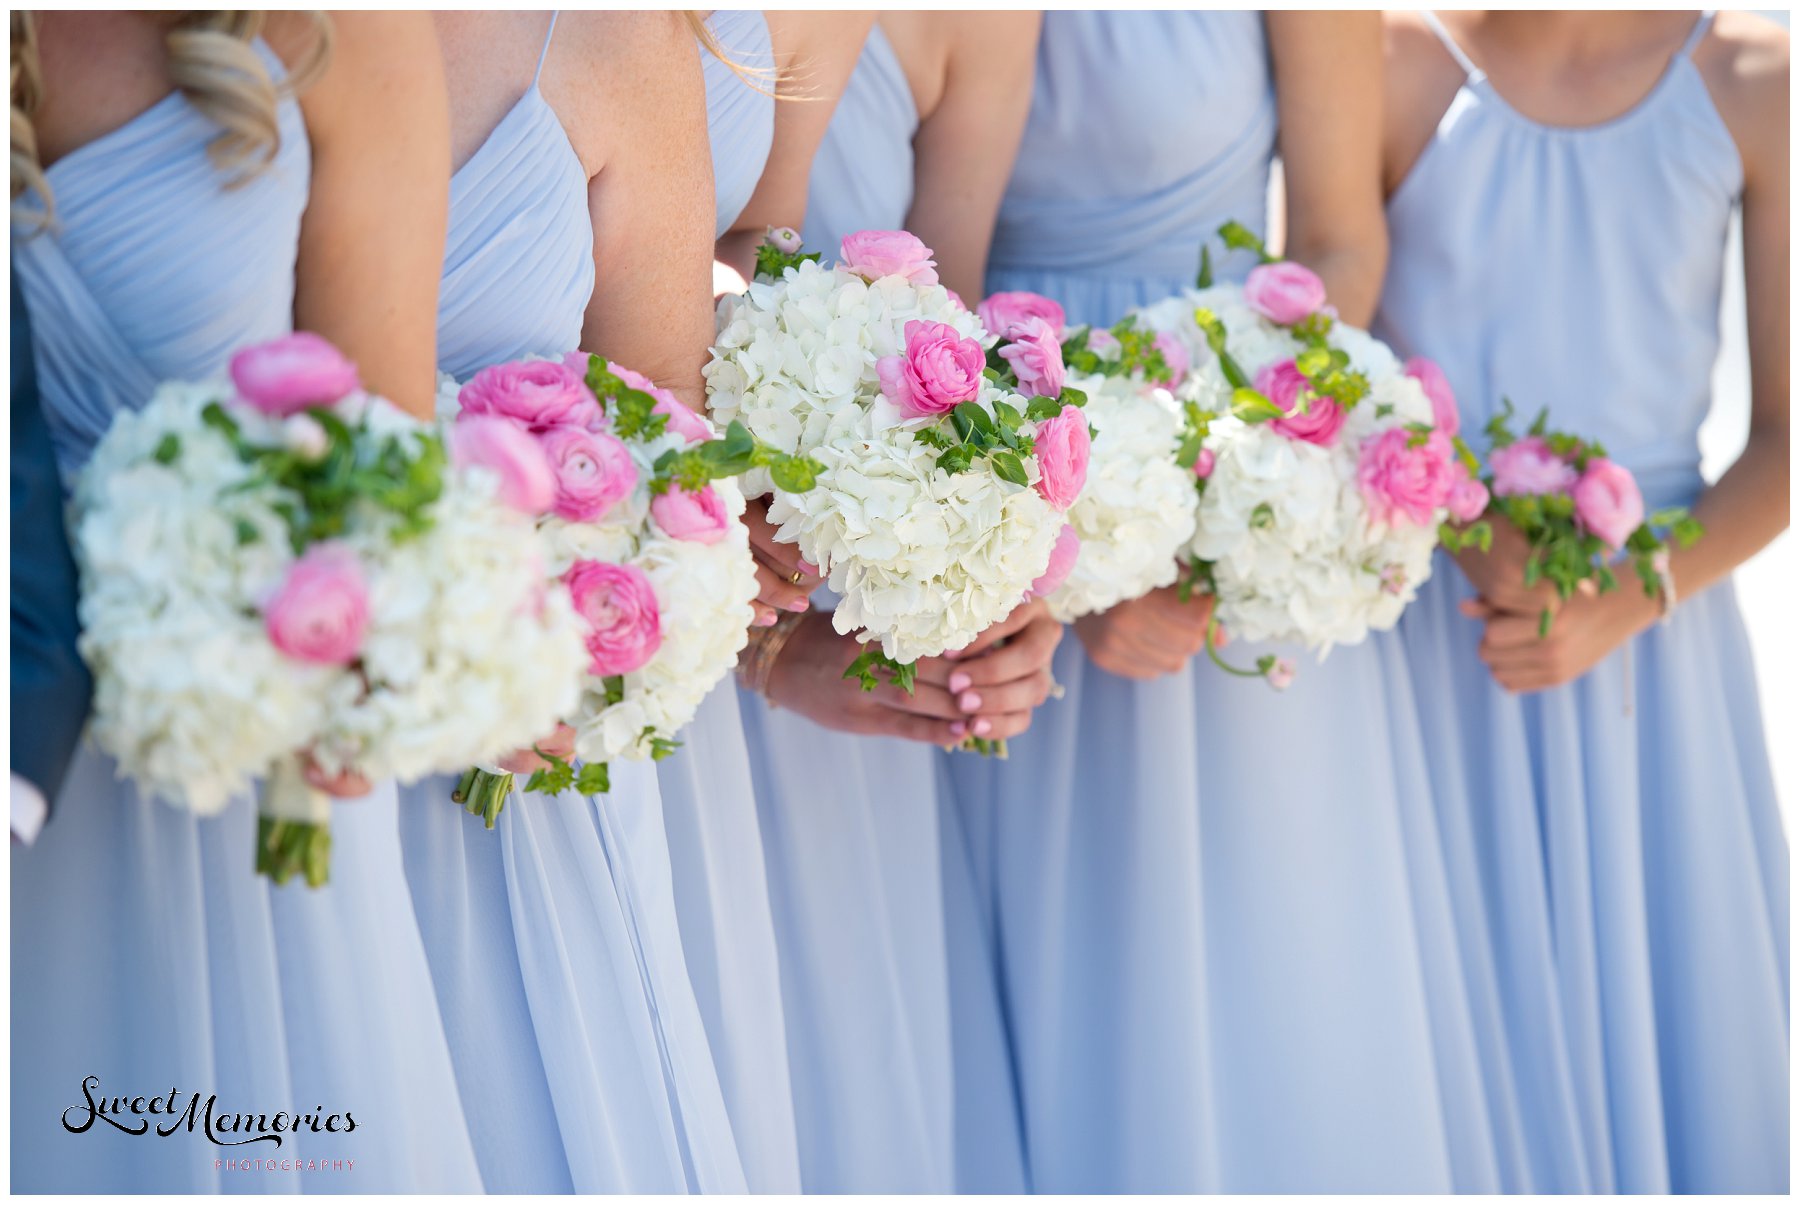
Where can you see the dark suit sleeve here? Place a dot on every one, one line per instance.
(51, 687)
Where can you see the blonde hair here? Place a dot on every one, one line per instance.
(763, 79)
(212, 62)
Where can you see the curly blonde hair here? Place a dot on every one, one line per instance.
(212, 62)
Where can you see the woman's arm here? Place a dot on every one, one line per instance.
(372, 239)
(1328, 73)
(815, 53)
(967, 140)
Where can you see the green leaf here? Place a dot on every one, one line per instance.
(1072, 396)
(1252, 407)
(795, 474)
(1007, 468)
(1204, 279)
(1240, 237)
(1040, 408)
(594, 778)
(168, 449)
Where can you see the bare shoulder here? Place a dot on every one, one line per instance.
(363, 36)
(816, 31)
(614, 76)
(1744, 61)
(1419, 82)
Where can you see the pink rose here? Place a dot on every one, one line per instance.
(538, 393)
(1062, 563)
(285, 376)
(785, 239)
(1468, 497)
(1530, 467)
(510, 453)
(1036, 358)
(873, 254)
(1204, 462)
(1607, 502)
(1444, 414)
(698, 517)
(593, 471)
(1284, 385)
(1063, 446)
(1284, 293)
(619, 605)
(956, 299)
(1402, 483)
(321, 609)
(1281, 673)
(1003, 311)
(1174, 354)
(939, 370)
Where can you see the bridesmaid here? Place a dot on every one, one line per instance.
(580, 153)
(1218, 911)
(198, 182)
(1561, 190)
(922, 139)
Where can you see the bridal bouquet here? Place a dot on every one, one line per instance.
(282, 567)
(1137, 510)
(1578, 510)
(635, 504)
(941, 490)
(1325, 471)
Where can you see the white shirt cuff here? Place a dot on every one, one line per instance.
(29, 811)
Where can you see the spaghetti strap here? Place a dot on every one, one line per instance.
(545, 52)
(1456, 52)
(1697, 33)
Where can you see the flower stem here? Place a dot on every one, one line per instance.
(1212, 651)
(483, 793)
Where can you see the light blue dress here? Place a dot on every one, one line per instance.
(851, 835)
(1219, 912)
(1620, 871)
(715, 847)
(553, 938)
(145, 950)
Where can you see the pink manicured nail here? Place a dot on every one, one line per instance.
(959, 682)
(970, 702)
(952, 654)
(959, 729)
(808, 568)
(798, 605)
(766, 619)
(983, 727)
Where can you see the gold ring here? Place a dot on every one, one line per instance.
(796, 578)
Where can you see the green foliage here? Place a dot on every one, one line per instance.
(1240, 237)
(1214, 330)
(872, 665)
(285, 848)
(1137, 354)
(737, 452)
(561, 775)
(772, 261)
(1204, 278)
(972, 435)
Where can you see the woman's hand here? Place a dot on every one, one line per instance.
(1004, 675)
(808, 677)
(346, 784)
(1498, 575)
(777, 566)
(1587, 628)
(1149, 636)
(559, 744)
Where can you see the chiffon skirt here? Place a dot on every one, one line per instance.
(900, 1077)
(148, 954)
(1619, 863)
(728, 935)
(1221, 924)
(553, 944)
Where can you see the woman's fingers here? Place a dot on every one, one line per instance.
(1511, 632)
(346, 784)
(776, 592)
(1021, 694)
(1027, 652)
(925, 700)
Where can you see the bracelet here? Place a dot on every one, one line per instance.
(757, 661)
(1665, 592)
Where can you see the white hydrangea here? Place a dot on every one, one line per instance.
(1137, 511)
(923, 560)
(1295, 554)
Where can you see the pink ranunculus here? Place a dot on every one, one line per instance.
(1003, 311)
(682, 421)
(285, 376)
(1284, 385)
(593, 471)
(1608, 502)
(538, 393)
(698, 517)
(1102, 343)
(1204, 462)
(939, 370)
(1468, 497)
(956, 299)
(1036, 358)
(320, 612)
(1063, 556)
(1444, 414)
(1063, 445)
(1175, 355)
(511, 453)
(305, 437)
(1284, 292)
(1530, 467)
(1281, 674)
(785, 239)
(623, 620)
(1403, 483)
(876, 253)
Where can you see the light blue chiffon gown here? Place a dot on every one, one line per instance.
(1620, 870)
(552, 938)
(145, 950)
(1218, 911)
(851, 835)
(715, 845)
